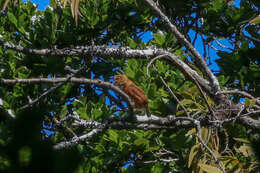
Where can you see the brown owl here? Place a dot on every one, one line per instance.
(135, 93)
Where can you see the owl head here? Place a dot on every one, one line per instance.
(120, 80)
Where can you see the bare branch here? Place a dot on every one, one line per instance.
(174, 96)
(199, 60)
(243, 93)
(158, 160)
(250, 122)
(63, 127)
(77, 140)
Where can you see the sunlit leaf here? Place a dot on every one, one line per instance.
(246, 150)
(191, 132)
(209, 168)
(193, 153)
(249, 102)
(242, 140)
(255, 20)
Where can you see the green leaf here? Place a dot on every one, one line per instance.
(154, 148)
(96, 113)
(187, 102)
(12, 18)
(100, 148)
(160, 66)
(23, 72)
(157, 168)
(223, 79)
(249, 102)
(159, 38)
(131, 42)
(141, 142)
(163, 93)
(113, 136)
(25, 155)
(217, 5)
(152, 91)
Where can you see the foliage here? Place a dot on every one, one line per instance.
(113, 22)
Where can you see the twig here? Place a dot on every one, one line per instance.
(207, 148)
(63, 127)
(152, 61)
(46, 93)
(249, 113)
(158, 160)
(173, 95)
(77, 140)
(213, 47)
(205, 99)
(86, 124)
(243, 93)
(221, 45)
(252, 38)
(226, 142)
(238, 115)
(165, 84)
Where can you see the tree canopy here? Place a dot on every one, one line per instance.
(61, 112)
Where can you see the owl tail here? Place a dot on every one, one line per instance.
(148, 113)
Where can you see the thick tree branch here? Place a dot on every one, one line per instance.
(117, 52)
(145, 123)
(198, 59)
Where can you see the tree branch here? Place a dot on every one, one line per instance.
(117, 52)
(198, 59)
(243, 93)
(77, 140)
(52, 89)
(97, 82)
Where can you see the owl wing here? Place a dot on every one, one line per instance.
(137, 94)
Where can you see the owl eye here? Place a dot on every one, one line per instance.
(121, 86)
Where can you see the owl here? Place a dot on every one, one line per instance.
(135, 93)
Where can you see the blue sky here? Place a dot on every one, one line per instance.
(148, 35)
(42, 3)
